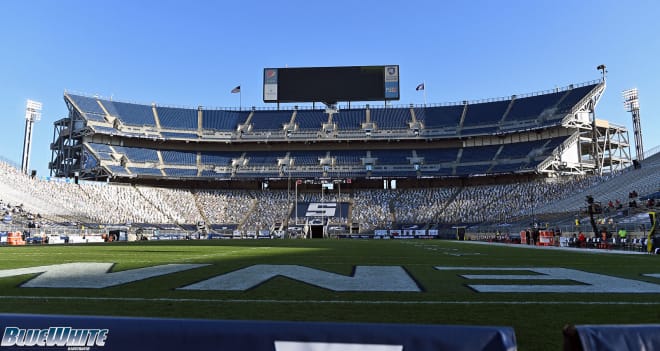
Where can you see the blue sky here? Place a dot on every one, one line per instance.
(191, 53)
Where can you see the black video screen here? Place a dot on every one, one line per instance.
(331, 84)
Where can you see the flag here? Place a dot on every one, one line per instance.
(420, 87)
(236, 90)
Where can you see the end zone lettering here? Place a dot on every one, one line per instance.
(53, 336)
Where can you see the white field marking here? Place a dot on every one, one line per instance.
(655, 275)
(593, 283)
(364, 278)
(91, 275)
(335, 302)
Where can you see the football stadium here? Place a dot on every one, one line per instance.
(512, 223)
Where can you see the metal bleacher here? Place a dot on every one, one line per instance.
(645, 180)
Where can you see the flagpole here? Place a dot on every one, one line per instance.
(424, 82)
(240, 97)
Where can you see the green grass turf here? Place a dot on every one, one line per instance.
(446, 298)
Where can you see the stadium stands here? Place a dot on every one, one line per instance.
(177, 118)
(311, 119)
(350, 119)
(129, 113)
(485, 113)
(440, 117)
(222, 120)
(173, 157)
(391, 118)
(270, 120)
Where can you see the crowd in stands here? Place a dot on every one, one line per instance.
(97, 202)
(224, 206)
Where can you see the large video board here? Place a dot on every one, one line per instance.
(331, 84)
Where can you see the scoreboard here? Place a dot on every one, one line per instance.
(331, 84)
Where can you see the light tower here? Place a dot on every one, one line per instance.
(32, 114)
(631, 104)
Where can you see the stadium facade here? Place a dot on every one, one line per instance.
(541, 134)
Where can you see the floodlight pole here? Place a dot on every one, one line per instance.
(32, 114)
(631, 104)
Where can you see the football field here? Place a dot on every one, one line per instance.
(535, 291)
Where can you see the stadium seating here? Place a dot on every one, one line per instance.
(101, 151)
(177, 118)
(174, 157)
(137, 154)
(485, 113)
(223, 120)
(131, 114)
(439, 117)
(392, 157)
(533, 107)
(180, 172)
(573, 97)
(270, 120)
(219, 158)
(350, 119)
(311, 119)
(86, 104)
(391, 118)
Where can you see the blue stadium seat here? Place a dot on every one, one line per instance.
(307, 157)
(348, 157)
(264, 158)
(177, 118)
(311, 119)
(174, 157)
(223, 120)
(145, 171)
(87, 104)
(391, 118)
(574, 96)
(519, 150)
(219, 158)
(117, 170)
(131, 114)
(439, 117)
(102, 151)
(435, 156)
(479, 153)
(270, 120)
(485, 113)
(137, 154)
(391, 157)
(350, 119)
(533, 107)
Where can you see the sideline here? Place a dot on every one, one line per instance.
(353, 302)
(573, 249)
